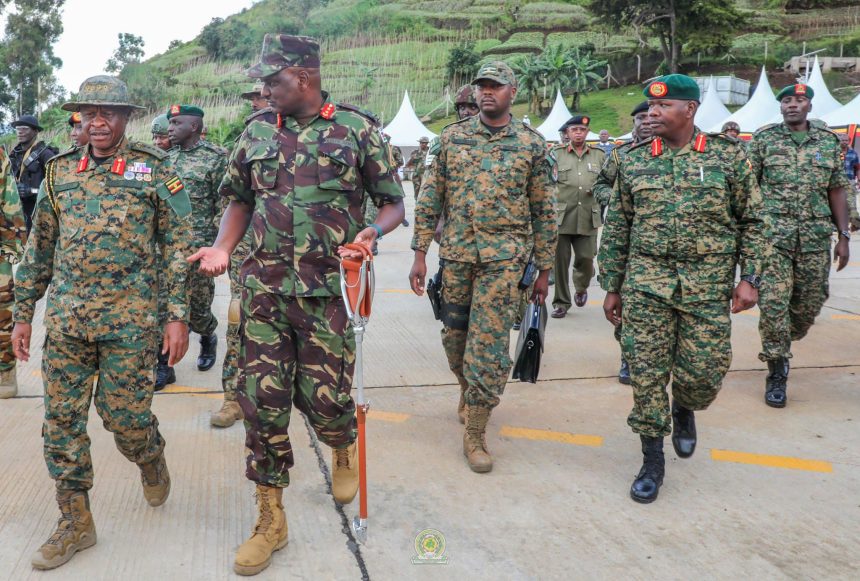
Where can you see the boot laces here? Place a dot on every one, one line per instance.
(152, 473)
(65, 524)
(266, 518)
(342, 455)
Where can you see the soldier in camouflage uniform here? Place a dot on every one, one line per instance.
(491, 179)
(687, 210)
(77, 135)
(605, 186)
(298, 174)
(799, 168)
(256, 98)
(578, 164)
(101, 212)
(417, 161)
(369, 209)
(202, 166)
(13, 236)
(160, 138)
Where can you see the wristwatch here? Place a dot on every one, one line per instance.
(845, 233)
(753, 279)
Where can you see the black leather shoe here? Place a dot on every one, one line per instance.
(683, 430)
(647, 485)
(624, 372)
(164, 374)
(208, 348)
(776, 384)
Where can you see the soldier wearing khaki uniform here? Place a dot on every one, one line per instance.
(578, 165)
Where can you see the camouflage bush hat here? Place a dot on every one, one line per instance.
(496, 71)
(673, 87)
(465, 96)
(160, 125)
(101, 90)
(256, 91)
(798, 90)
(281, 51)
(176, 110)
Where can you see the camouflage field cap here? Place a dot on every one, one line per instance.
(496, 71)
(160, 125)
(798, 90)
(281, 51)
(256, 91)
(101, 90)
(465, 96)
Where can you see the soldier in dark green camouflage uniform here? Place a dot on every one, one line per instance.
(13, 236)
(798, 165)
(101, 212)
(417, 161)
(605, 186)
(686, 212)
(298, 174)
(491, 179)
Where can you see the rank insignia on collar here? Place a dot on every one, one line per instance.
(656, 147)
(118, 166)
(280, 121)
(327, 111)
(82, 164)
(174, 184)
(699, 145)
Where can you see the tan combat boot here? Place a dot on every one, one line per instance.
(75, 532)
(475, 439)
(344, 473)
(227, 415)
(8, 384)
(270, 533)
(156, 481)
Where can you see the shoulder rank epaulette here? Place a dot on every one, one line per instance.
(266, 115)
(435, 146)
(821, 125)
(642, 144)
(146, 148)
(766, 127)
(69, 151)
(364, 113)
(533, 130)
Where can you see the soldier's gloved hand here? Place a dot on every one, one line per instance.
(612, 308)
(21, 341)
(745, 296)
(213, 261)
(418, 274)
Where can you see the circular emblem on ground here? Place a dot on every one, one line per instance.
(658, 89)
(430, 547)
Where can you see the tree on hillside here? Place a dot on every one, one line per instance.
(130, 51)
(673, 22)
(462, 65)
(530, 78)
(586, 72)
(27, 60)
(366, 82)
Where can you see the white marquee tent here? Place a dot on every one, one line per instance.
(758, 111)
(556, 118)
(711, 112)
(405, 129)
(848, 114)
(823, 102)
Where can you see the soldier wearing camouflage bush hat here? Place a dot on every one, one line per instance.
(160, 138)
(255, 96)
(101, 91)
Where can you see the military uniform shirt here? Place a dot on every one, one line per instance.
(605, 184)
(94, 242)
(795, 180)
(306, 186)
(578, 212)
(202, 168)
(681, 219)
(13, 230)
(496, 192)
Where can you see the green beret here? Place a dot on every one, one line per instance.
(159, 125)
(798, 90)
(674, 87)
(176, 110)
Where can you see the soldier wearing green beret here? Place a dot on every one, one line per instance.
(101, 212)
(798, 166)
(298, 175)
(160, 138)
(687, 211)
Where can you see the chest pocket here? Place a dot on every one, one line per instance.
(709, 198)
(336, 165)
(822, 169)
(262, 161)
(512, 167)
(69, 207)
(777, 170)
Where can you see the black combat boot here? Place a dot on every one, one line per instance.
(208, 348)
(683, 430)
(647, 485)
(164, 374)
(624, 372)
(777, 383)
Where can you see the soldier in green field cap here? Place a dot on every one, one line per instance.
(686, 211)
(101, 212)
(298, 175)
(798, 166)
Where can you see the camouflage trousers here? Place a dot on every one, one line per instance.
(123, 397)
(480, 304)
(689, 342)
(7, 301)
(416, 186)
(584, 250)
(294, 351)
(230, 367)
(794, 288)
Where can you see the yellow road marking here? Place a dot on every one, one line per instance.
(387, 416)
(550, 436)
(403, 291)
(846, 317)
(786, 462)
(183, 389)
(749, 313)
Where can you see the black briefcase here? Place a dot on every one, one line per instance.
(530, 343)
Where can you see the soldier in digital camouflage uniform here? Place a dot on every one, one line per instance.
(799, 168)
(160, 138)
(491, 179)
(605, 186)
(299, 174)
(201, 165)
(417, 161)
(687, 210)
(101, 212)
(13, 236)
